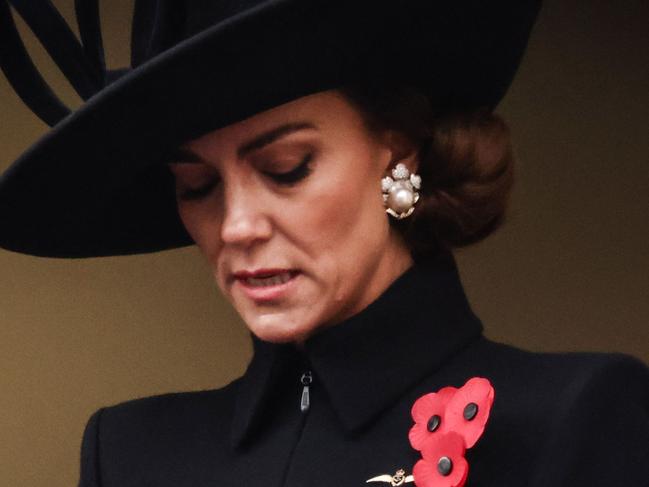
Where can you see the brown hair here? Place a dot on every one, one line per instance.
(465, 162)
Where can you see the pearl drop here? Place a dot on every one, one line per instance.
(401, 199)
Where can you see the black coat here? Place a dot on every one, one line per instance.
(557, 420)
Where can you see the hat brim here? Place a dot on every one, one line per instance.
(97, 185)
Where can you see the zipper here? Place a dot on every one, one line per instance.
(306, 381)
(305, 401)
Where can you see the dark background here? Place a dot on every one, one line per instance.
(567, 272)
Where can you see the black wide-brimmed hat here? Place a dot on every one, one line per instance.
(97, 185)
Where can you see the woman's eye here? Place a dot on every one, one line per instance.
(193, 181)
(301, 171)
(189, 193)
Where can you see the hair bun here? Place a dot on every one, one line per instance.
(468, 167)
(466, 164)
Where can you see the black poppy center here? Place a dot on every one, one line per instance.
(444, 466)
(434, 422)
(470, 411)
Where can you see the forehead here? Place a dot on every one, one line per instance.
(327, 111)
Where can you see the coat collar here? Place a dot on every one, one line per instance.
(419, 322)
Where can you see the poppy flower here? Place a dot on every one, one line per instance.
(428, 412)
(468, 410)
(443, 463)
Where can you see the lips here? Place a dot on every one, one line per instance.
(272, 280)
(266, 284)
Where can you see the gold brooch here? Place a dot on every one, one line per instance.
(399, 478)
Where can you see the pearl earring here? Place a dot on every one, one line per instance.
(400, 192)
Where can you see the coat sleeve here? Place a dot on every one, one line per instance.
(601, 435)
(89, 475)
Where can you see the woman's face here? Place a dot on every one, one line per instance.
(287, 208)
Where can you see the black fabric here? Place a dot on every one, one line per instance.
(23, 75)
(61, 44)
(157, 26)
(89, 24)
(572, 419)
(199, 66)
(83, 65)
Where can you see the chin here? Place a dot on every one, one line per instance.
(277, 328)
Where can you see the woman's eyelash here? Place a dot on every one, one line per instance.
(295, 175)
(288, 178)
(190, 194)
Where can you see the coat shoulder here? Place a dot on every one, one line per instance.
(564, 376)
(566, 418)
(165, 433)
(177, 406)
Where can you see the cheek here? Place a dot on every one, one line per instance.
(342, 215)
(203, 223)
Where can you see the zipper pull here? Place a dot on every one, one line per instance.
(305, 401)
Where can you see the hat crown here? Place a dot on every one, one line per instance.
(388, 42)
(201, 14)
(158, 25)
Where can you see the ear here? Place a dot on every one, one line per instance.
(402, 150)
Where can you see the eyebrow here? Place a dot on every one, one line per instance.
(183, 154)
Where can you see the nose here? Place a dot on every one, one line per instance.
(245, 218)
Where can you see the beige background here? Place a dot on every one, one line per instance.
(568, 271)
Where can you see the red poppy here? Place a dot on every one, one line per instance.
(428, 412)
(443, 463)
(468, 410)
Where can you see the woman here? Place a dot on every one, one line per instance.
(359, 321)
